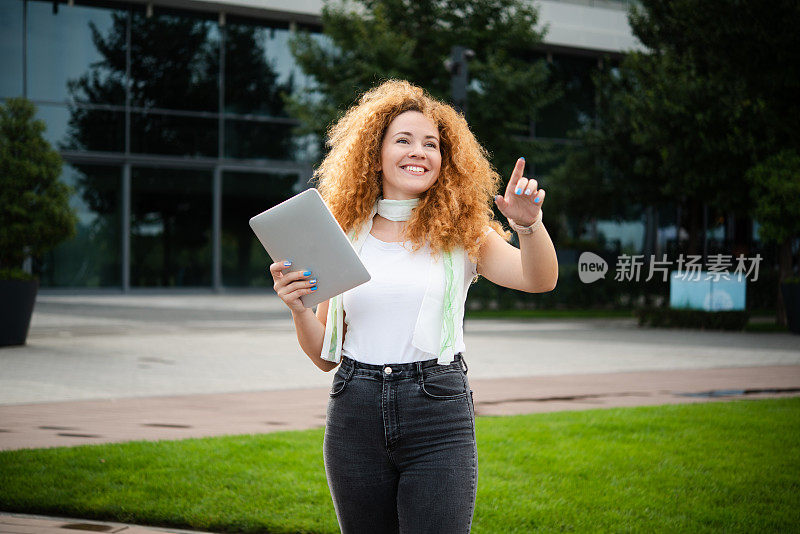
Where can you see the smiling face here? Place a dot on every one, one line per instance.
(410, 156)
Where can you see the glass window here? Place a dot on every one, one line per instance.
(92, 257)
(11, 45)
(255, 139)
(174, 61)
(77, 127)
(576, 105)
(259, 68)
(244, 260)
(56, 119)
(170, 228)
(154, 133)
(77, 53)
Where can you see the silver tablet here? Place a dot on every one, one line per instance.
(304, 231)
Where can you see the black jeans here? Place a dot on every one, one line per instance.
(399, 448)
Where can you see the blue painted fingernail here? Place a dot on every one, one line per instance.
(528, 192)
(287, 263)
(313, 282)
(517, 191)
(522, 158)
(537, 200)
(307, 273)
(314, 288)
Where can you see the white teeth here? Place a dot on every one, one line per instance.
(414, 168)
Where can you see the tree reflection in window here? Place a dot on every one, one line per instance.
(175, 66)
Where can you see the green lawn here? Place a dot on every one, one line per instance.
(710, 467)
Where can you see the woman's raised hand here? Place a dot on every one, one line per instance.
(293, 285)
(522, 200)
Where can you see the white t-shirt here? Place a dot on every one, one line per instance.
(382, 313)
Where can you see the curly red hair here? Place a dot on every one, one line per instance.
(457, 208)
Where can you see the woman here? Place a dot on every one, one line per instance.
(413, 189)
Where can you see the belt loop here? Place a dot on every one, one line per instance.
(418, 365)
(464, 364)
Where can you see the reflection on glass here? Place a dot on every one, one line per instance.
(78, 128)
(251, 139)
(244, 260)
(576, 106)
(92, 257)
(89, 129)
(174, 62)
(258, 69)
(64, 57)
(153, 133)
(170, 228)
(56, 119)
(11, 46)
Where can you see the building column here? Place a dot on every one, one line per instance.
(126, 227)
(216, 231)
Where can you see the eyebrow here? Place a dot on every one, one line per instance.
(412, 135)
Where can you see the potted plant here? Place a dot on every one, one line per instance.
(776, 190)
(35, 214)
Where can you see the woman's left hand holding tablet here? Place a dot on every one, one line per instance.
(522, 200)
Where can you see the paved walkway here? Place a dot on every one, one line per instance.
(111, 368)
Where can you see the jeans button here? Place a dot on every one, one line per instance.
(387, 370)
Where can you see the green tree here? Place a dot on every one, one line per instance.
(35, 214)
(714, 93)
(775, 187)
(367, 41)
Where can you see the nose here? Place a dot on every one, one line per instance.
(416, 151)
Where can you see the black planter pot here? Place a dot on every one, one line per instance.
(791, 301)
(17, 298)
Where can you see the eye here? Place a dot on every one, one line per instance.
(402, 140)
(431, 144)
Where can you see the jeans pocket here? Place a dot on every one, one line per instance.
(340, 380)
(444, 385)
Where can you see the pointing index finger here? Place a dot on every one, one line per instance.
(516, 174)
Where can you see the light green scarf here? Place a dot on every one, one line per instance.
(425, 339)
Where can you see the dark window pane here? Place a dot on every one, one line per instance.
(253, 139)
(90, 128)
(244, 260)
(56, 119)
(174, 62)
(170, 228)
(11, 46)
(153, 133)
(64, 53)
(79, 128)
(258, 69)
(576, 106)
(92, 257)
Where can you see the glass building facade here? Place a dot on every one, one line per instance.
(174, 132)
